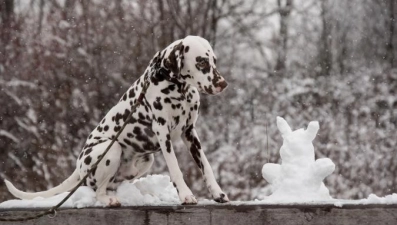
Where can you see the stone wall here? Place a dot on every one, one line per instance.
(218, 215)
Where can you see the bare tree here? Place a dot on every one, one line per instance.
(285, 8)
(390, 43)
(325, 53)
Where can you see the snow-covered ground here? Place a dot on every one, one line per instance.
(297, 180)
(158, 190)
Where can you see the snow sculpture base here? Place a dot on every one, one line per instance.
(300, 177)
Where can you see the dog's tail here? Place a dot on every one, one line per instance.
(66, 185)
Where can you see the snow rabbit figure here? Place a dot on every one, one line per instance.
(299, 173)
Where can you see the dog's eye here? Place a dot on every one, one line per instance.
(203, 63)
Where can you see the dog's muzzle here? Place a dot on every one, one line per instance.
(221, 86)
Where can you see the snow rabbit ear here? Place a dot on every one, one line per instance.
(312, 129)
(283, 126)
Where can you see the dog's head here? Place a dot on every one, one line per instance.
(191, 60)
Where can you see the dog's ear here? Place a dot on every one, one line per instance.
(174, 62)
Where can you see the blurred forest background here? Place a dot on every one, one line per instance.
(65, 63)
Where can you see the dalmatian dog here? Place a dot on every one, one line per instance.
(169, 110)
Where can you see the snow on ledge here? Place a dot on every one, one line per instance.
(157, 190)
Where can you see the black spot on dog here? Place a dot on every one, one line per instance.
(128, 142)
(131, 94)
(118, 117)
(161, 121)
(208, 89)
(106, 128)
(176, 119)
(99, 128)
(130, 177)
(87, 160)
(157, 104)
(167, 100)
(88, 151)
(137, 130)
(110, 189)
(195, 151)
(186, 76)
(103, 121)
(123, 145)
(141, 116)
(93, 171)
(149, 132)
(168, 143)
(165, 91)
(171, 87)
(187, 49)
(117, 128)
(107, 162)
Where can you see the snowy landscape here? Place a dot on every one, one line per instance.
(65, 63)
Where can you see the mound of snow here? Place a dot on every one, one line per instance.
(299, 177)
(149, 190)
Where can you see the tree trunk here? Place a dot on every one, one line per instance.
(6, 11)
(284, 11)
(390, 45)
(325, 54)
(6, 25)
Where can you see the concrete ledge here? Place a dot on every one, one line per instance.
(218, 215)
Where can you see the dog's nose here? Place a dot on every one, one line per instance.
(223, 85)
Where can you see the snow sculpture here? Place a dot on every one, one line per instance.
(299, 177)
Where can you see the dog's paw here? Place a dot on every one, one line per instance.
(114, 202)
(189, 200)
(109, 201)
(221, 198)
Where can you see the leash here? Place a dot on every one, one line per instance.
(53, 210)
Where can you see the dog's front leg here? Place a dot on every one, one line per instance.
(191, 140)
(164, 139)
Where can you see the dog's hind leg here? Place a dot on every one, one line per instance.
(140, 167)
(104, 173)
